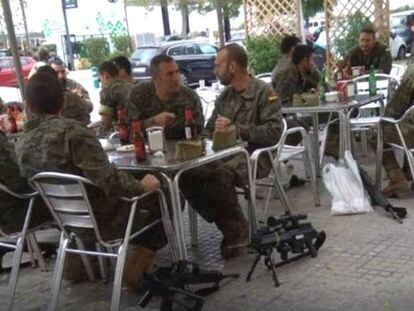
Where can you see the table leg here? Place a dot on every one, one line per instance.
(177, 217)
(315, 144)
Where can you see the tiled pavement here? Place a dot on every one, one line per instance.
(367, 263)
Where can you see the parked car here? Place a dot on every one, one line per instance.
(195, 60)
(8, 75)
(400, 25)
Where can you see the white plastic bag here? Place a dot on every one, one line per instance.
(345, 185)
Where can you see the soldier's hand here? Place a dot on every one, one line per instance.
(163, 119)
(150, 183)
(222, 123)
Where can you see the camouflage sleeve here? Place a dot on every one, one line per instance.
(285, 88)
(106, 107)
(76, 108)
(402, 98)
(312, 79)
(91, 159)
(136, 103)
(385, 62)
(268, 130)
(9, 169)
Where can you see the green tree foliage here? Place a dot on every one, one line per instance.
(97, 50)
(264, 52)
(351, 30)
(122, 45)
(311, 7)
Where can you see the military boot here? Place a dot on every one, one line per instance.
(235, 232)
(141, 260)
(398, 184)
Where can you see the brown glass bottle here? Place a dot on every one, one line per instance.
(12, 120)
(189, 125)
(123, 127)
(139, 145)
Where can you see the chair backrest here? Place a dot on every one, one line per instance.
(266, 77)
(386, 84)
(66, 197)
(23, 196)
(397, 71)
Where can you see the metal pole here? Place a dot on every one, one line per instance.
(68, 43)
(220, 22)
(13, 45)
(26, 29)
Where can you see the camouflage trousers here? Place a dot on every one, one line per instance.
(211, 189)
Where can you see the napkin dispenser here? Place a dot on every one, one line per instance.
(156, 139)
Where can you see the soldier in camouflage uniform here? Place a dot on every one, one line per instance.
(53, 143)
(13, 210)
(401, 100)
(369, 53)
(287, 46)
(249, 106)
(162, 101)
(75, 107)
(71, 85)
(114, 93)
(124, 69)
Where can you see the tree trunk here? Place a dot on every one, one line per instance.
(165, 17)
(227, 29)
(26, 29)
(185, 16)
(220, 21)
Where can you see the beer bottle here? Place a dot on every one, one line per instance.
(372, 81)
(12, 120)
(139, 146)
(189, 125)
(123, 127)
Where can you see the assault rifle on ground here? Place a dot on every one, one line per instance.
(173, 284)
(284, 235)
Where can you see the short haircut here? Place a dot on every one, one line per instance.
(122, 63)
(47, 69)
(236, 53)
(108, 67)
(44, 55)
(288, 42)
(300, 52)
(44, 93)
(369, 29)
(57, 61)
(157, 61)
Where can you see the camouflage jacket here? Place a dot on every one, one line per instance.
(380, 58)
(52, 143)
(291, 81)
(254, 111)
(114, 96)
(13, 210)
(401, 100)
(76, 108)
(144, 103)
(76, 87)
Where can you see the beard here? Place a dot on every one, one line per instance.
(225, 78)
(63, 82)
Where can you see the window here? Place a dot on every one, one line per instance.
(208, 49)
(145, 54)
(192, 49)
(178, 50)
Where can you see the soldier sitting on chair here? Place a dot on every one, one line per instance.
(53, 143)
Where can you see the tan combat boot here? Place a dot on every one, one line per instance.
(235, 236)
(141, 260)
(398, 184)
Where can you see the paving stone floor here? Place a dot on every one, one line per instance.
(366, 263)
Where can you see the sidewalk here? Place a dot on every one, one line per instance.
(366, 263)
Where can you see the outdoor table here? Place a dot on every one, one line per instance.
(344, 110)
(171, 170)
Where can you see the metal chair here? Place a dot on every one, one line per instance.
(67, 199)
(280, 153)
(277, 153)
(266, 77)
(15, 241)
(408, 152)
(367, 117)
